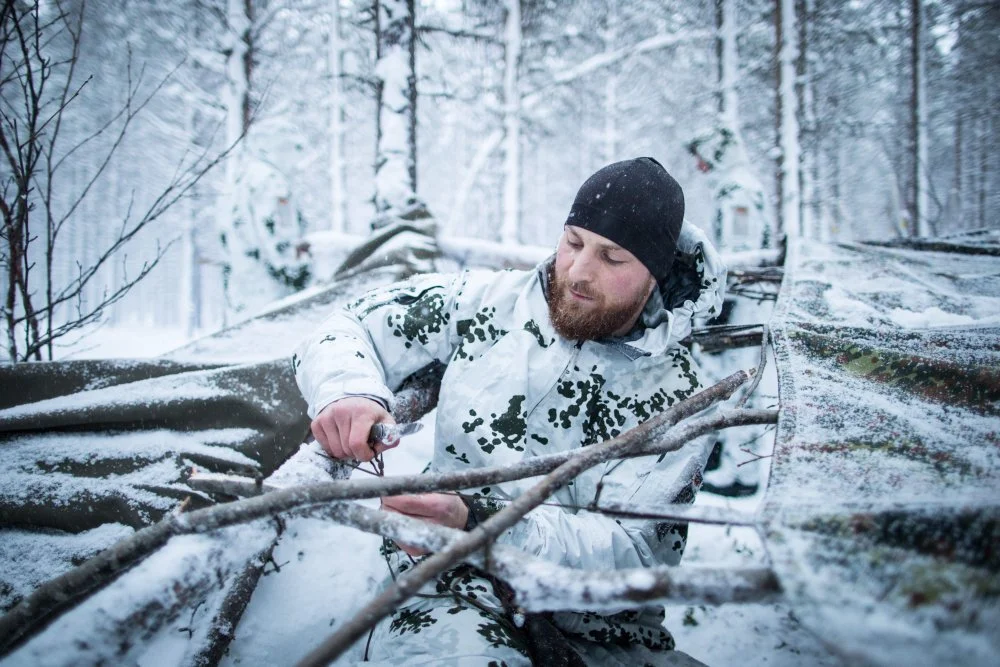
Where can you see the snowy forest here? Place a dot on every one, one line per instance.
(189, 188)
(192, 149)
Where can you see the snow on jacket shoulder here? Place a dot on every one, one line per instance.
(513, 389)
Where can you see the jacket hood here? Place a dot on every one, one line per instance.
(695, 287)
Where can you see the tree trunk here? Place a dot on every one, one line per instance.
(803, 96)
(511, 228)
(787, 124)
(955, 194)
(918, 123)
(611, 87)
(335, 62)
(984, 168)
(395, 72)
(239, 59)
(835, 190)
(236, 99)
(728, 62)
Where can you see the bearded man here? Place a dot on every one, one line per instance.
(572, 353)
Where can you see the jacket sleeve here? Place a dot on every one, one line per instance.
(596, 541)
(370, 346)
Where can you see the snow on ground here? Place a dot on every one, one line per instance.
(739, 634)
(133, 341)
(31, 557)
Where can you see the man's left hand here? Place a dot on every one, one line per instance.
(444, 509)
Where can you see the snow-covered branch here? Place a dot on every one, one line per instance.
(543, 586)
(608, 58)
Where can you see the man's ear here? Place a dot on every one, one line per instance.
(652, 286)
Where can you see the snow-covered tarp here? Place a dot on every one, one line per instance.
(882, 517)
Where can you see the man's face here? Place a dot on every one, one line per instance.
(597, 288)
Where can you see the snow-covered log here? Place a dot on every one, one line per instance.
(174, 601)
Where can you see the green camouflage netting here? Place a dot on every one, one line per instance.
(883, 512)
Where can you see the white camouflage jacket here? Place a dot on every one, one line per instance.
(513, 389)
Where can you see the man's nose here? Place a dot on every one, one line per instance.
(582, 268)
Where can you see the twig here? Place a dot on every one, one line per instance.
(412, 580)
(759, 372)
(747, 276)
(757, 457)
(757, 295)
(222, 627)
(727, 337)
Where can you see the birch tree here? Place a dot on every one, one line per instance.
(335, 128)
(788, 155)
(260, 223)
(39, 82)
(739, 220)
(396, 91)
(510, 230)
(809, 208)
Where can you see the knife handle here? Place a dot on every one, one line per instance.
(382, 433)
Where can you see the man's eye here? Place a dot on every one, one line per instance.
(611, 260)
(573, 244)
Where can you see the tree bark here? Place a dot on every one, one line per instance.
(787, 163)
(395, 72)
(918, 123)
(335, 66)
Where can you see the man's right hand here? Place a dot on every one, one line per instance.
(343, 428)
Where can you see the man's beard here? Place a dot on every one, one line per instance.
(575, 322)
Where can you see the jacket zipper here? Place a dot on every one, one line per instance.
(572, 358)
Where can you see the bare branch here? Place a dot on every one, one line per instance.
(174, 191)
(131, 111)
(484, 36)
(95, 312)
(759, 371)
(755, 455)
(568, 588)
(726, 337)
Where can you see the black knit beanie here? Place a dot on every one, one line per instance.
(636, 204)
